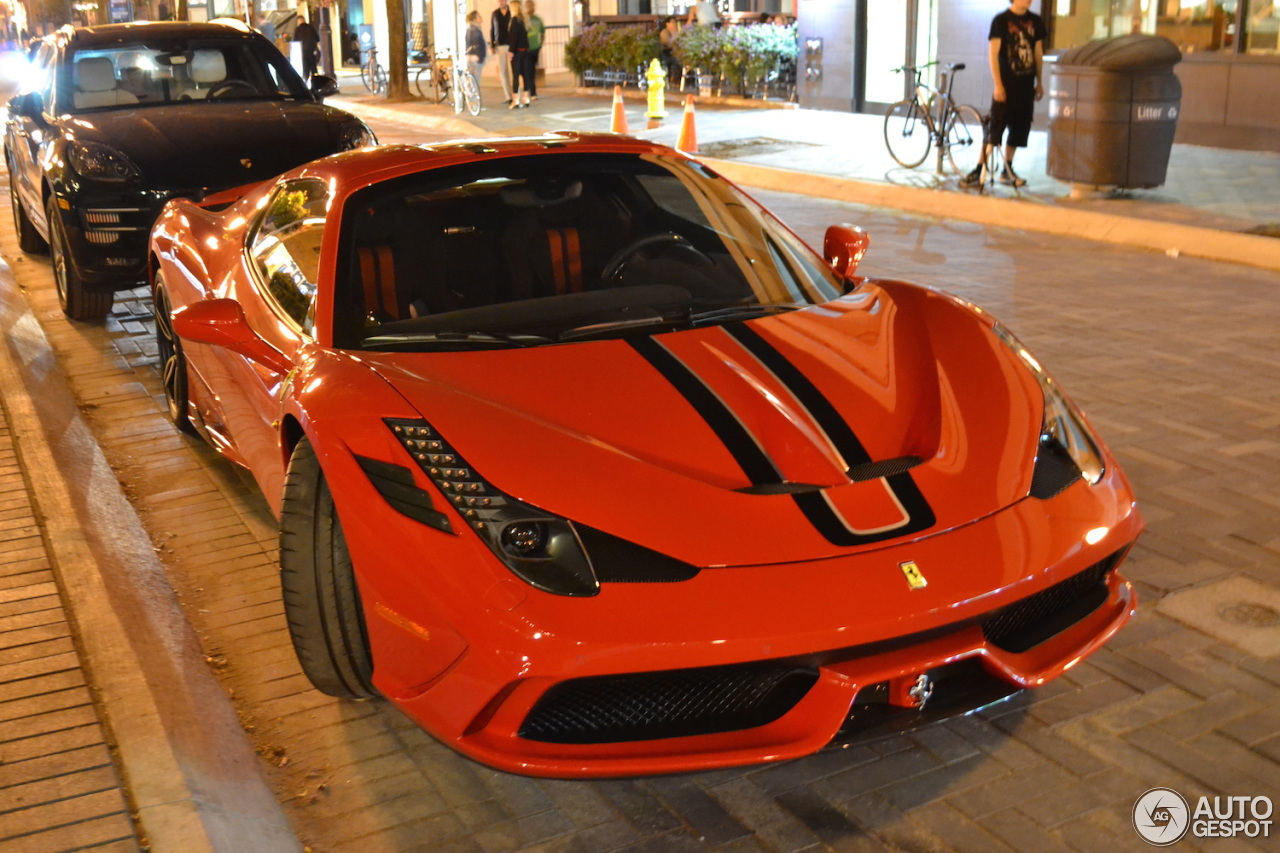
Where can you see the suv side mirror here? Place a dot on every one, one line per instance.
(322, 86)
(27, 105)
(843, 246)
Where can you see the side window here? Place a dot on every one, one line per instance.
(285, 248)
(43, 79)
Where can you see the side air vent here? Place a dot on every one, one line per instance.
(1054, 469)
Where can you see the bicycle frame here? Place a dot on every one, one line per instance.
(932, 109)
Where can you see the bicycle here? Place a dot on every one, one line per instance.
(450, 82)
(372, 74)
(931, 117)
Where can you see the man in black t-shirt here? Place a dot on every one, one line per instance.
(1015, 52)
(500, 41)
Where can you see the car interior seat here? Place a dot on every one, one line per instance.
(96, 84)
(208, 69)
(552, 243)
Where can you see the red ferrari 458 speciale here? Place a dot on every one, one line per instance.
(592, 467)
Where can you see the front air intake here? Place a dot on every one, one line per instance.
(1028, 623)
(674, 703)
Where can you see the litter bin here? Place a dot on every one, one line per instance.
(1113, 109)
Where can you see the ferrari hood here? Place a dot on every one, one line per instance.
(889, 414)
(217, 146)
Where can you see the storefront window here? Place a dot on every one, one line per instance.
(1193, 25)
(1261, 28)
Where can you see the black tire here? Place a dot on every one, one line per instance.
(906, 133)
(78, 301)
(321, 599)
(964, 136)
(29, 239)
(173, 364)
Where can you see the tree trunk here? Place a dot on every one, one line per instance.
(397, 52)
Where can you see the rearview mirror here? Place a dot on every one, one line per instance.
(221, 323)
(28, 105)
(843, 247)
(322, 86)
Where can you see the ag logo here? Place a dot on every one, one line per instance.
(1161, 817)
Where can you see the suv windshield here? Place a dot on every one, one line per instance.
(158, 72)
(525, 251)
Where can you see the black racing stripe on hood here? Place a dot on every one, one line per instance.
(819, 407)
(820, 513)
(737, 440)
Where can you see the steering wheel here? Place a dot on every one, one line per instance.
(229, 87)
(665, 240)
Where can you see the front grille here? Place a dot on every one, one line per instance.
(1028, 623)
(674, 703)
(116, 220)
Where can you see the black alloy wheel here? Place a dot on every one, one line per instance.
(78, 301)
(321, 599)
(173, 364)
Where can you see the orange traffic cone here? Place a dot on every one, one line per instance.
(688, 139)
(619, 124)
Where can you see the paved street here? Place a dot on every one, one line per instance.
(1172, 357)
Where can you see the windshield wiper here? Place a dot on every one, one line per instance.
(635, 323)
(683, 320)
(455, 337)
(743, 312)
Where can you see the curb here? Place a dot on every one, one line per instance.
(191, 775)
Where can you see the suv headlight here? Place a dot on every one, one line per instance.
(99, 162)
(1063, 433)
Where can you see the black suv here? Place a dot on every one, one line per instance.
(120, 118)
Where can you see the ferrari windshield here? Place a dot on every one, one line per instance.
(164, 71)
(552, 248)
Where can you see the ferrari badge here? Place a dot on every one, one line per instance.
(915, 578)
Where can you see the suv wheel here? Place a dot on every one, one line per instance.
(78, 302)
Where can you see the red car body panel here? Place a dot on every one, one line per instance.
(592, 432)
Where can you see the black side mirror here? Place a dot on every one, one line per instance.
(322, 86)
(27, 105)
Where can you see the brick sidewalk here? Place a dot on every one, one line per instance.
(59, 789)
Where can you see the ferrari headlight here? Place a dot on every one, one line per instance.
(541, 548)
(356, 135)
(99, 162)
(1063, 432)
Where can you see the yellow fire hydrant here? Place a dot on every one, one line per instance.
(656, 78)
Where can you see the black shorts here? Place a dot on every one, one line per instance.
(1014, 112)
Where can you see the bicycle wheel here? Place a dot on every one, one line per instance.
(907, 134)
(366, 78)
(380, 80)
(963, 136)
(470, 92)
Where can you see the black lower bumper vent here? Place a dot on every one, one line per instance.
(673, 703)
(1027, 623)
